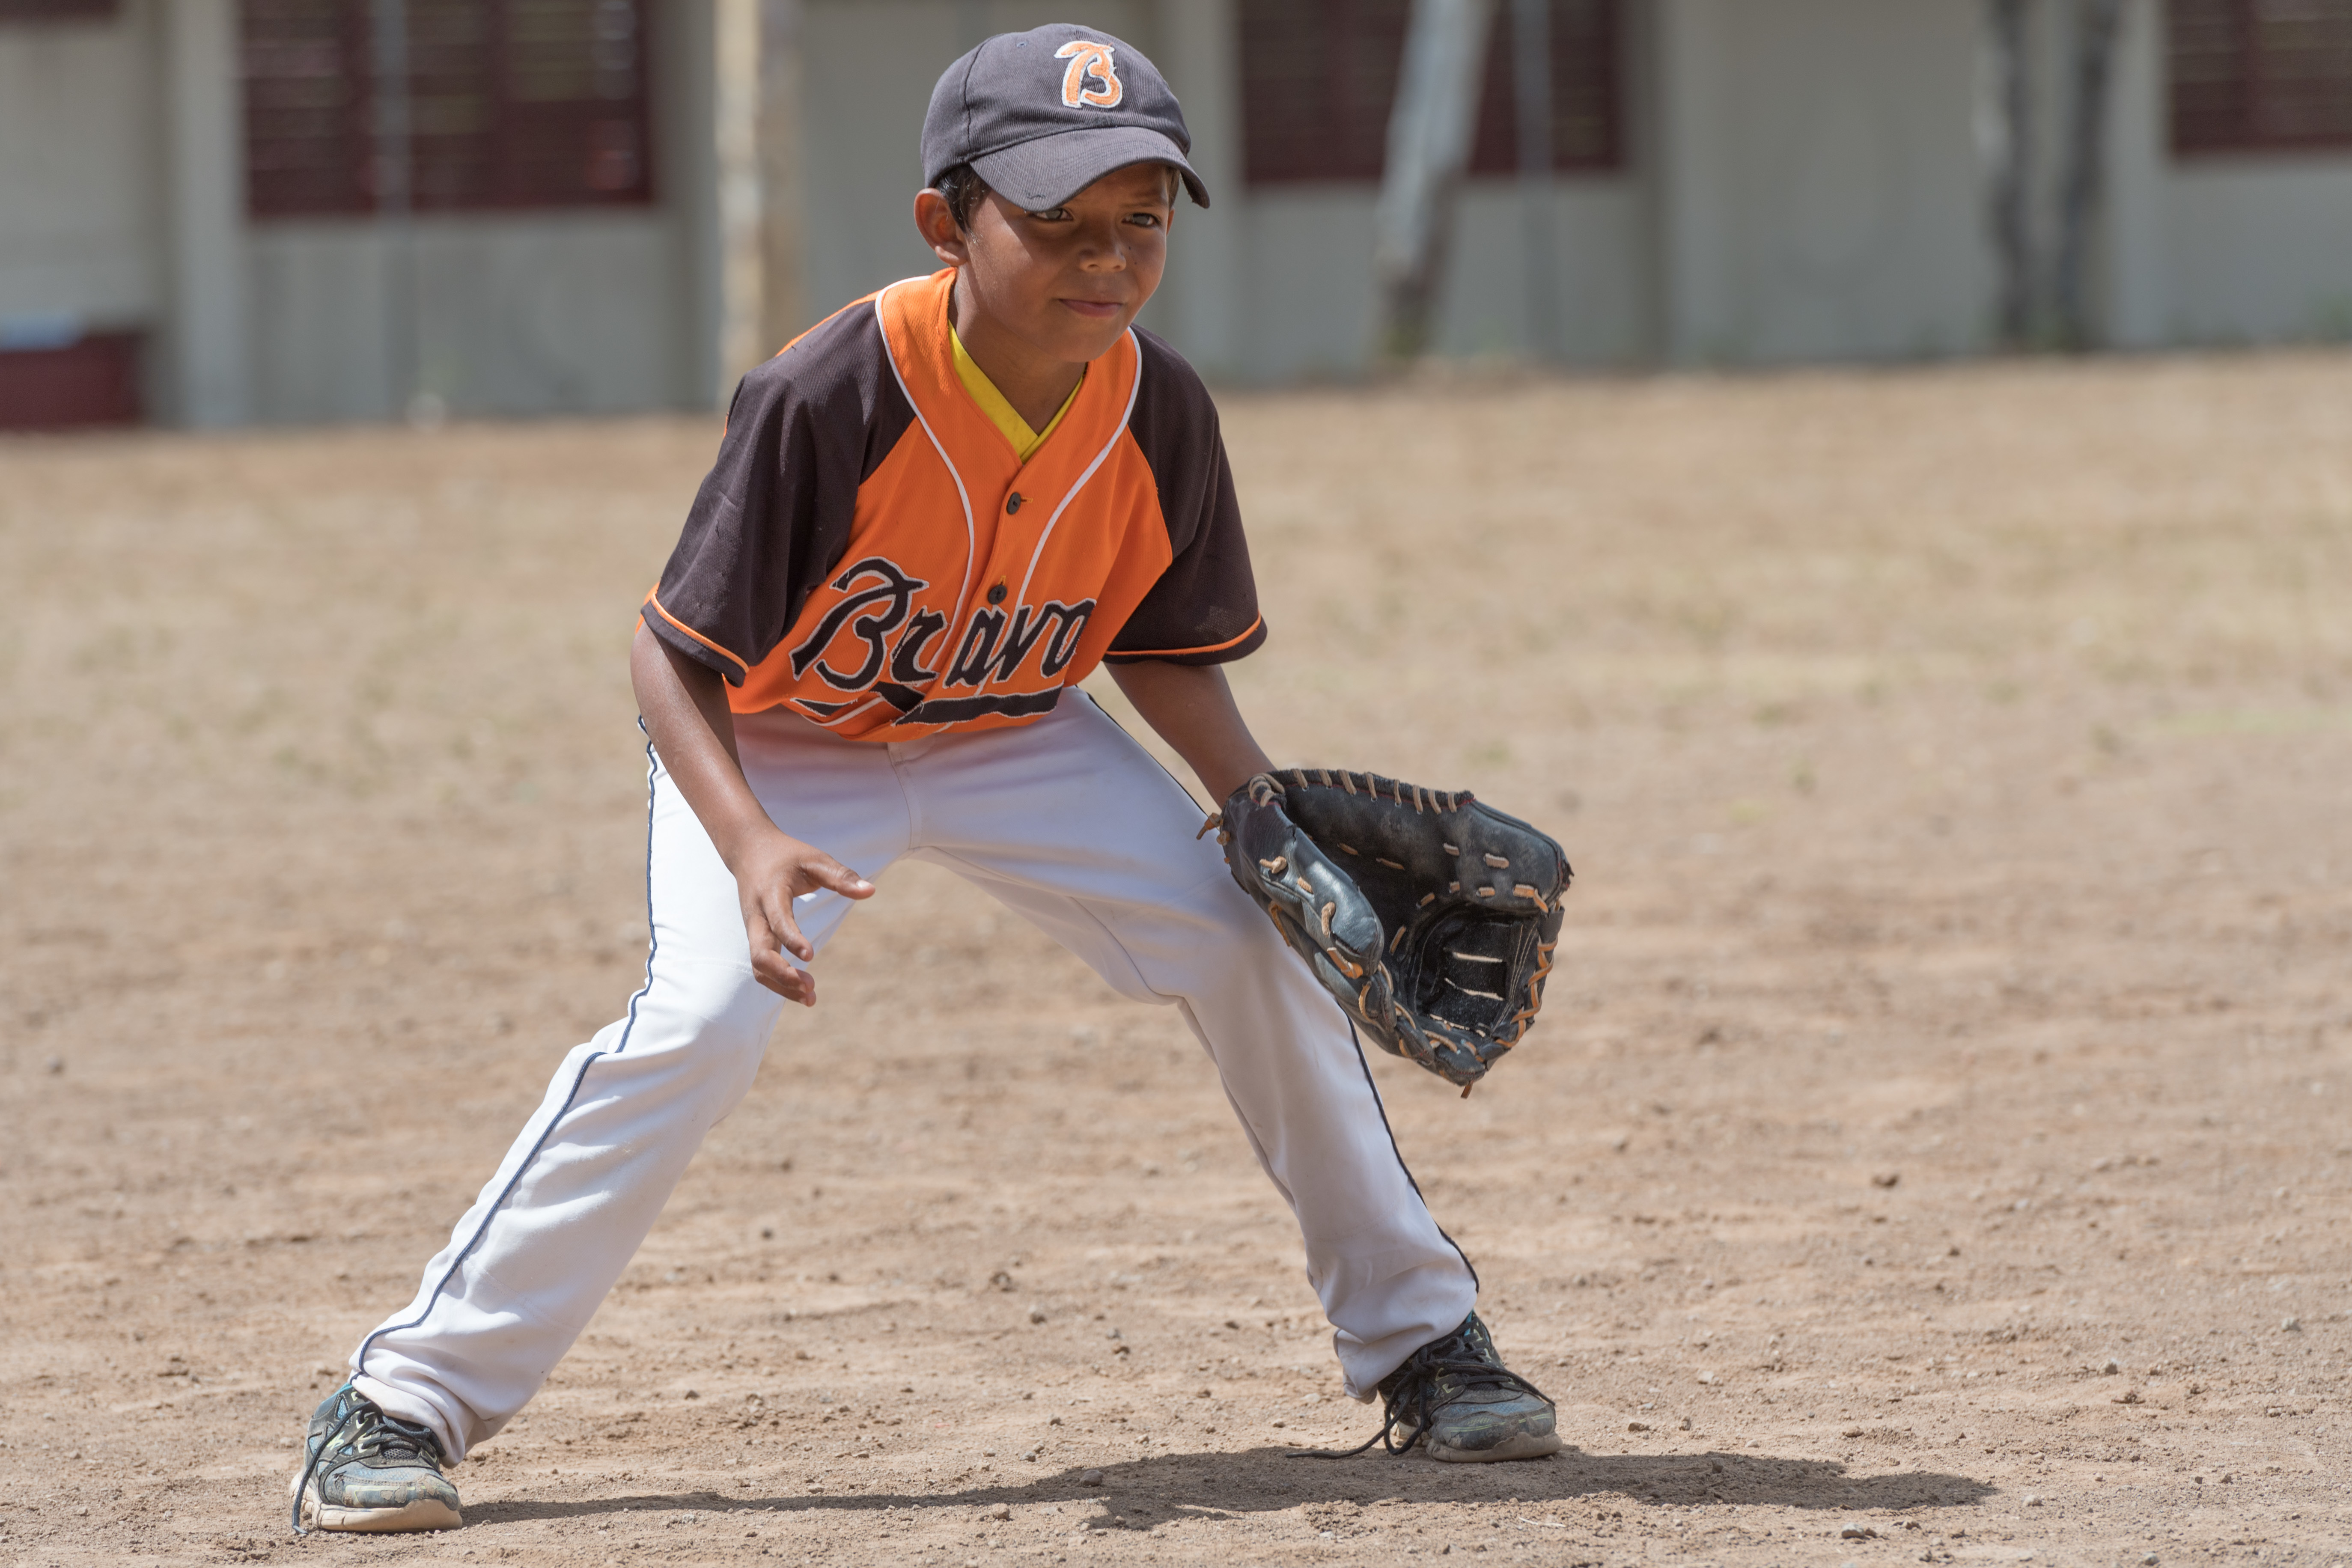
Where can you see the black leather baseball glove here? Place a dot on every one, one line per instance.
(1431, 918)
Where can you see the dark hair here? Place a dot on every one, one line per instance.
(963, 189)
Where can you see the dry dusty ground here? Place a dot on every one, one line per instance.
(1934, 1148)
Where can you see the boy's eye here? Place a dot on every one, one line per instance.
(1053, 215)
(1148, 220)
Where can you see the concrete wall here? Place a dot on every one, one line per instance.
(121, 205)
(1308, 299)
(2213, 250)
(1805, 185)
(1819, 186)
(80, 198)
(588, 311)
(2260, 250)
(567, 313)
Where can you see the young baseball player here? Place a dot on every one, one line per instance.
(931, 515)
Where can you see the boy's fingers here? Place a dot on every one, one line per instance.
(769, 966)
(825, 871)
(788, 934)
(771, 969)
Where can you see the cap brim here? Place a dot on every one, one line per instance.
(1050, 170)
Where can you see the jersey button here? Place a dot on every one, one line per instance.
(996, 592)
(1012, 503)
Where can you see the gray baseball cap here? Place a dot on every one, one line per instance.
(1042, 115)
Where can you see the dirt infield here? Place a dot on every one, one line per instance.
(1933, 1148)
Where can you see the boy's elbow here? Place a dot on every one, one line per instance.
(658, 670)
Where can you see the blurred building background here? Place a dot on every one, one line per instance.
(215, 211)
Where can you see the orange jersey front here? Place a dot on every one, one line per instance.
(869, 550)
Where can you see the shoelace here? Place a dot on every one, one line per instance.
(383, 1437)
(1423, 1370)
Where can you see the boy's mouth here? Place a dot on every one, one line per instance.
(1095, 309)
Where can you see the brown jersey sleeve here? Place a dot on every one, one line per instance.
(773, 515)
(1203, 608)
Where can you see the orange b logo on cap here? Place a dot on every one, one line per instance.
(1089, 65)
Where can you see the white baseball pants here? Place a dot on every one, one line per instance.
(1068, 822)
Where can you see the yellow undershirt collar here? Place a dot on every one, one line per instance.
(999, 409)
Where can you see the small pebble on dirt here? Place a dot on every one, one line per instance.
(2112, 1368)
(1091, 1477)
(2291, 1326)
(1850, 1432)
(1886, 1178)
(1637, 1425)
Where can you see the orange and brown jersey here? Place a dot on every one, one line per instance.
(871, 552)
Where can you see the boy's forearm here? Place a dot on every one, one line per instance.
(693, 731)
(1191, 708)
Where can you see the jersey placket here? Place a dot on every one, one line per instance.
(1029, 502)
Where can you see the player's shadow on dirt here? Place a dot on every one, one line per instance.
(1267, 1480)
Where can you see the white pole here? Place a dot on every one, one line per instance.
(1430, 129)
(205, 338)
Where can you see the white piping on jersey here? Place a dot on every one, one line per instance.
(970, 543)
(1133, 388)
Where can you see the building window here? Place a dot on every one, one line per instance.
(504, 104)
(2260, 75)
(1318, 76)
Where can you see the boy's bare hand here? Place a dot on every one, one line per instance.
(769, 876)
(685, 712)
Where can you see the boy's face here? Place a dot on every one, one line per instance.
(1069, 280)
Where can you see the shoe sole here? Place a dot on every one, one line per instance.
(1524, 1446)
(424, 1513)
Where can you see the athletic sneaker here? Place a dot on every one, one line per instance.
(1455, 1395)
(363, 1469)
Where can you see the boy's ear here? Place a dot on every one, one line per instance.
(935, 221)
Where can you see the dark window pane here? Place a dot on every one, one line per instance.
(1318, 77)
(511, 104)
(2256, 75)
(306, 142)
(1585, 52)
